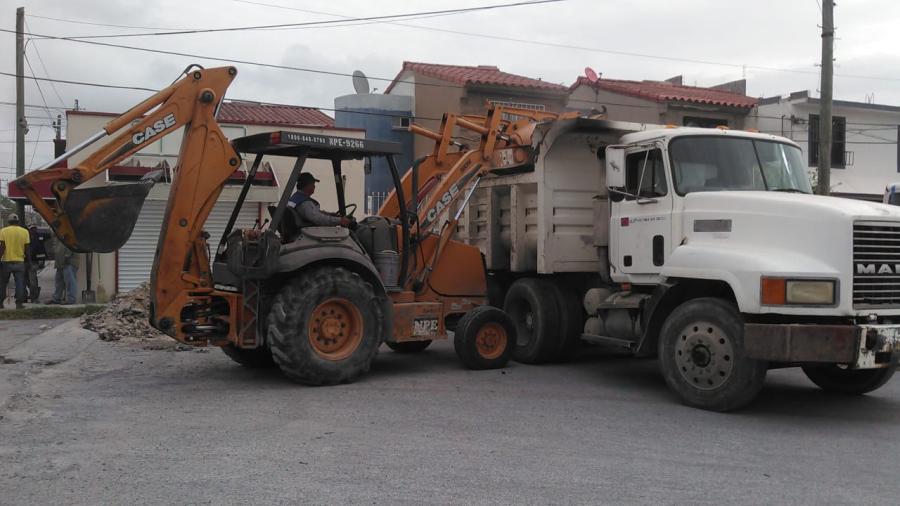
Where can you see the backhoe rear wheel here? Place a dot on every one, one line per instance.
(256, 358)
(325, 327)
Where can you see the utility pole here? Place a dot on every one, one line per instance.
(825, 122)
(21, 124)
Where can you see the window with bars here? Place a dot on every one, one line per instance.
(517, 105)
(838, 141)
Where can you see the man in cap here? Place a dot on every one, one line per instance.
(307, 208)
(14, 242)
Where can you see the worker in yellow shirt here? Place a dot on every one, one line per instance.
(14, 241)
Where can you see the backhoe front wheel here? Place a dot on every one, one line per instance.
(485, 338)
(701, 356)
(325, 327)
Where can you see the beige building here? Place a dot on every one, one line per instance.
(663, 102)
(438, 89)
(130, 266)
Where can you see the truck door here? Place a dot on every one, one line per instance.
(641, 223)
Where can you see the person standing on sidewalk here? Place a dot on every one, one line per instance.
(14, 245)
(36, 257)
(66, 267)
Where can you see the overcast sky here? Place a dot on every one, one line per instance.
(738, 37)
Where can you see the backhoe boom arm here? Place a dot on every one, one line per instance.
(101, 218)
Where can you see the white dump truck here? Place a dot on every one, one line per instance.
(704, 247)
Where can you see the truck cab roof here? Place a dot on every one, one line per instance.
(660, 132)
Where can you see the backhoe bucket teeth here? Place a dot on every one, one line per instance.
(103, 217)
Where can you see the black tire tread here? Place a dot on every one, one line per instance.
(540, 295)
(830, 378)
(748, 374)
(467, 329)
(409, 346)
(257, 358)
(286, 331)
(571, 321)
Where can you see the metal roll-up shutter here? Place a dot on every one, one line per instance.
(135, 258)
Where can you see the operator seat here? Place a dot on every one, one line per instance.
(289, 228)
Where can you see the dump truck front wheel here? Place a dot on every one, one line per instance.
(325, 327)
(485, 338)
(701, 356)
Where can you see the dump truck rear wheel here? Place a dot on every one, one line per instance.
(571, 320)
(531, 304)
(701, 356)
(409, 346)
(485, 338)
(256, 358)
(325, 327)
(833, 378)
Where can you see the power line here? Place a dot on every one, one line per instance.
(36, 141)
(46, 73)
(82, 83)
(113, 86)
(228, 60)
(33, 106)
(78, 22)
(349, 19)
(36, 83)
(468, 34)
(318, 23)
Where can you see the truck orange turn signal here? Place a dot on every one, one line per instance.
(773, 291)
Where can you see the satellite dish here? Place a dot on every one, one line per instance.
(590, 74)
(360, 83)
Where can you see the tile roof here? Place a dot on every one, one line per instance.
(482, 74)
(663, 91)
(253, 113)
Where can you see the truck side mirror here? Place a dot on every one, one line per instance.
(615, 167)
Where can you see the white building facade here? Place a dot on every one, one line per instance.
(865, 135)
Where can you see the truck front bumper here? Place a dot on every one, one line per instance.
(858, 346)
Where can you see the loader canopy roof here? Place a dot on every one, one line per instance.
(325, 147)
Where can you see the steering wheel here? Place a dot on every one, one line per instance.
(348, 212)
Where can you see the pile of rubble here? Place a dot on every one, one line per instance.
(125, 317)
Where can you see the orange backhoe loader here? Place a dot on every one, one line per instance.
(316, 301)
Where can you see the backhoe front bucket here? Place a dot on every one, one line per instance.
(103, 217)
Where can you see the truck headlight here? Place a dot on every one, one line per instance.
(797, 292)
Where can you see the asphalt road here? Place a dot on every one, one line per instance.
(89, 422)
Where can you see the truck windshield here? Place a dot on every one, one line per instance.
(701, 163)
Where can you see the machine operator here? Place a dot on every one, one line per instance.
(307, 208)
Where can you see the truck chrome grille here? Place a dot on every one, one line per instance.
(876, 264)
